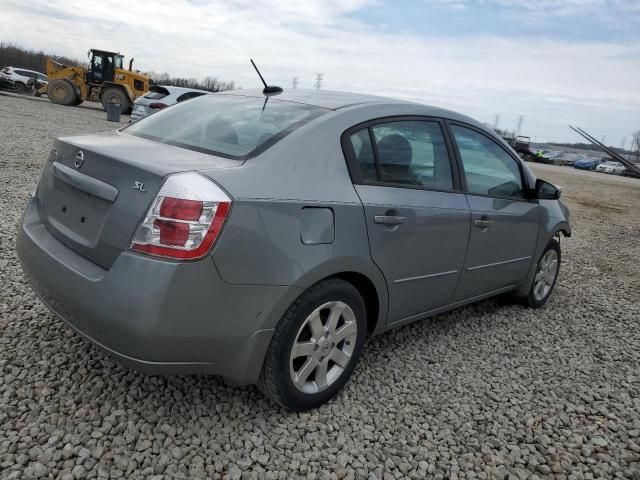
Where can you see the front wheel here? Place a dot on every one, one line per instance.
(118, 96)
(315, 347)
(546, 275)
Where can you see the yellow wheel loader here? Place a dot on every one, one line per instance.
(105, 81)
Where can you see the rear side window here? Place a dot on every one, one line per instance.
(488, 168)
(231, 126)
(411, 152)
(189, 95)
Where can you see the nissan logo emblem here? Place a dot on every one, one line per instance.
(79, 159)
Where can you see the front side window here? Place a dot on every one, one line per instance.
(233, 126)
(411, 152)
(488, 168)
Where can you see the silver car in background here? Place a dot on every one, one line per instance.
(264, 238)
(159, 97)
(23, 78)
(611, 167)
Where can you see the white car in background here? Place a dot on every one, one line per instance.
(615, 168)
(161, 96)
(21, 77)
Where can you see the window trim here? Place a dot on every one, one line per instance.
(354, 168)
(463, 178)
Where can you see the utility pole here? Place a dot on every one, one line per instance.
(319, 77)
(294, 82)
(496, 121)
(624, 142)
(520, 120)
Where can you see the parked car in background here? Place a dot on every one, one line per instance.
(615, 168)
(22, 77)
(6, 82)
(587, 163)
(162, 96)
(264, 238)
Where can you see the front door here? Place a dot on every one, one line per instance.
(504, 222)
(417, 219)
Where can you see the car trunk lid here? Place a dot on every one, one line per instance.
(94, 192)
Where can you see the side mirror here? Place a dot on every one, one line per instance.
(546, 191)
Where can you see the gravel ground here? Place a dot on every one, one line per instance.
(492, 390)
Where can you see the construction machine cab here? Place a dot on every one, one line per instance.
(102, 66)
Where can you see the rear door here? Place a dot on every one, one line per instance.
(504, 222)
(417, 218)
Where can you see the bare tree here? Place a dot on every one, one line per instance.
(635, 144)
(211, 84)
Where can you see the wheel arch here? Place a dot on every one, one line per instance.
(364, 276)
(544, 237)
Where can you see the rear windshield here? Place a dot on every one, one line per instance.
(156, 93)
(231, 126)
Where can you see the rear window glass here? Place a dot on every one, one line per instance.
(231, 126)
(189, 96)
(156, 93)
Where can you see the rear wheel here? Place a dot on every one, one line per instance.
(20, 87)
(546, 276)
(315, 347)
(116, 95)
(61, 92)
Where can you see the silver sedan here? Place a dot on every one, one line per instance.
(265, 237)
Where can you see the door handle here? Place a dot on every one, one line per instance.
(389, 219)
(484, 224)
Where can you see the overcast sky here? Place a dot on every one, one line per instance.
(557, 62)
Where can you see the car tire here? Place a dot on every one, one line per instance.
(117, 95)
(315, 346)
(61, 92)
(20, 87)
(544, 280)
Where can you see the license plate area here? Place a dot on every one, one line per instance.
(76, 214)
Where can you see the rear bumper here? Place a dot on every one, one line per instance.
(155, 316)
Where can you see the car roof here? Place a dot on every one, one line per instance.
(26, 70)
(329, 99)
(335, 100)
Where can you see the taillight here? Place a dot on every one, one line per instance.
(158, 105)
(184, 219)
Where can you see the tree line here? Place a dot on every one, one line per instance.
(13, 55)
(210, 84)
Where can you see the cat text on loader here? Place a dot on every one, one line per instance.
(104, 81)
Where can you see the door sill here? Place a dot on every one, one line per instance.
(451, 306)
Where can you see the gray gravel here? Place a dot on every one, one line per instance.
(488, 391)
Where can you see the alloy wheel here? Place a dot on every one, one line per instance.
(323, 347)
(545, 275)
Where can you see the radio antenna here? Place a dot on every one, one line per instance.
(268, 89)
